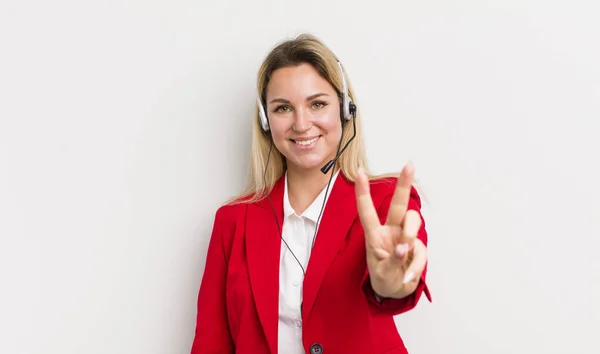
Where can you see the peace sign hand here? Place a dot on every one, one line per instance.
(395, 256)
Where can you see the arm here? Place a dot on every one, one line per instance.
(408, 302)
(212, 333)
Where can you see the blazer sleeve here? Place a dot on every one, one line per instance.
(212, 333)
(398, 306)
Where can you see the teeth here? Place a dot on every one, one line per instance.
(307, 142)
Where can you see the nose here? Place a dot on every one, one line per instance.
(302, 122)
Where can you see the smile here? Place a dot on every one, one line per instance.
(306, 142)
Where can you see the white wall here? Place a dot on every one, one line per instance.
(124, 124)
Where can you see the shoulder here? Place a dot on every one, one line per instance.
(229, 212)
(227, 220)
(235, 209)
(383, 188)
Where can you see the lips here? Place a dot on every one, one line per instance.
(306, 141)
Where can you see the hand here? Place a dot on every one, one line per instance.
(395, 256)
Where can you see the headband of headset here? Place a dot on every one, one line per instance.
(347, 106)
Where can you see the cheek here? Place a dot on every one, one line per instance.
(330, 121)
(279, 137)
(277, 129)
(333, 128)
(277, 133)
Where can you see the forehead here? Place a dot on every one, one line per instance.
(297, 82)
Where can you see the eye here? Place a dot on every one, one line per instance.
(319, 104)
(281, 109)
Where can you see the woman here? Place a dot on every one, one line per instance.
(316, 256)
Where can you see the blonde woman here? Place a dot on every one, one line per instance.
(317, 255)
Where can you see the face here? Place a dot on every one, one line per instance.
(304, 116)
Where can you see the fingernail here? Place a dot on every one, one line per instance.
(401, 250)
(408, 277)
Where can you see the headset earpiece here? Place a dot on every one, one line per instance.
(352, 110)
(263, 115)
(346, 102)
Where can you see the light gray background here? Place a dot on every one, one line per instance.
(124, 124)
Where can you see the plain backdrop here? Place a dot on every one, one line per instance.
(125, 124)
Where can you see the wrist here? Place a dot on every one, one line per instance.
(383, 291)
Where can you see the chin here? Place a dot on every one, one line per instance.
(304, 163)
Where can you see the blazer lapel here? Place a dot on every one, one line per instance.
(340, 211)
(263, 247)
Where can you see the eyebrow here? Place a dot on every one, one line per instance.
(311, 97)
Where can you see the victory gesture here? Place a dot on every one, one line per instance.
(395, 256)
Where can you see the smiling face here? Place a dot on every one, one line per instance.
(304, 116)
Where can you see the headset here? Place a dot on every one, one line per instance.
(347, 112)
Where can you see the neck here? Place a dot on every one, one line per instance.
(305, 185)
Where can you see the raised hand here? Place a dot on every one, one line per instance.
(395, 256)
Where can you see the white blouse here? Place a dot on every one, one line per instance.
(298, 231)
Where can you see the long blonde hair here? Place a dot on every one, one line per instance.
(308, 49)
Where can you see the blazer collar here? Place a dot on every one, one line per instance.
(263, 246)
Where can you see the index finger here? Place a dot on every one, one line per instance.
(399, 203)
(366, 210)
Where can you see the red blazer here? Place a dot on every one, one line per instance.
(239, 294)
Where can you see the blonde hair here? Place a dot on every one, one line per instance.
(308, 49)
